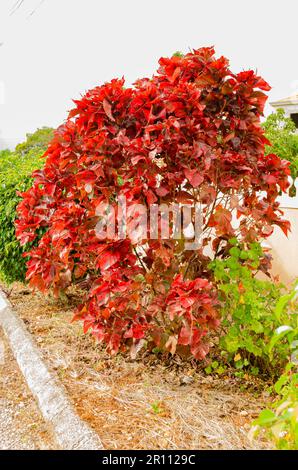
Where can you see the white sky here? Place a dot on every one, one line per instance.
(69, 46)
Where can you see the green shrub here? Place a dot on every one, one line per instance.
(281, 132)
(251, 312)
(279, 422)
(15, 175)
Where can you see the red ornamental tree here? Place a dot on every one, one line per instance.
(191, 133)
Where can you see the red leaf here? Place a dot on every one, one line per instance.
(221, 220)
(185, 335)
(151, 197)
(200, 350)
(108, 259)
(161, 191)
(108, 109)
(194, 177)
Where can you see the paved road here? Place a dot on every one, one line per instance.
(21, 425)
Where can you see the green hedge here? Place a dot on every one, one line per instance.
(281, 131)
(16, 168)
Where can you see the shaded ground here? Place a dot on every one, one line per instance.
(143, 404)
(21, 425)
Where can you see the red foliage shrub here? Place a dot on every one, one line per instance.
(191, 133)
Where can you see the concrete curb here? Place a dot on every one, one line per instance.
(70, 431)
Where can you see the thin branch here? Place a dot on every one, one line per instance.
(36, 8)
(16, 6)
(192, 258)
(140, 259)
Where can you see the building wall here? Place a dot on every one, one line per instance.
(285, 250)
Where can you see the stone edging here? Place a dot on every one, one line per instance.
(70, 431)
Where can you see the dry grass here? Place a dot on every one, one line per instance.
(143, 404)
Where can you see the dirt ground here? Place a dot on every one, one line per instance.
(141, 404)
(21, 425)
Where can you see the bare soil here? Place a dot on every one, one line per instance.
(21, 424)
(148, 403)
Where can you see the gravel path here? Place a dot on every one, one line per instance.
(21, 425)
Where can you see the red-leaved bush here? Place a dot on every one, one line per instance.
(191, 133)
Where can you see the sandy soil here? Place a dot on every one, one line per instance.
(21, 425)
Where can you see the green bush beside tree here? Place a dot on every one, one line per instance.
(16, 168)
(281, 132)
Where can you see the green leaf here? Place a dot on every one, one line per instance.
(220, 370)
(282, 302)
(266, 417)
(281, 382)
(257, 326)
(235, 252)
(279, 333)
(120, 180)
